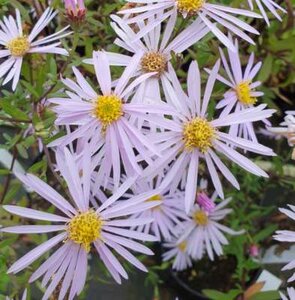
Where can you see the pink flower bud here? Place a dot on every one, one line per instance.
(205, 202)
(254, 250)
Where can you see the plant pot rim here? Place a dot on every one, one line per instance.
(186, 287)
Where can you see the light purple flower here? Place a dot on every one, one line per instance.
(103, 120)
(242, 90)
(17, 45)
(224, 16)
(287, 236)
(204, 233)
(271, 5)
(156, 52)
(194, 136)
(168, 213)
(178, 251)
(81, 227)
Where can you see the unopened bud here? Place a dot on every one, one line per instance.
(75, 11)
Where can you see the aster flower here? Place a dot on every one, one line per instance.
(291, 294)
(81, 228)
(178, 251)
(242, 90)
(17, 44)
(103, 119)
(168, 213)
(287, 130)
(272, 6)
(287, 236)
(204, 233)
(206, 12)
(193, 136)
(156, 51)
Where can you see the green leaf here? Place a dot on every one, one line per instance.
(215, 295)
(265, 233)
(22, 151)
(8, 242)
(13, 111)
(269, 295)
(266, 68)
(4, 172)
(30, 88)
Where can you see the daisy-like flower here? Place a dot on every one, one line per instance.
(16, 44)
(81, 228)
(178, 251)
(204, 233)
(291, 294)
(168, 213)
(242, 90)
(195, 136)
(103, 119)
(206, 12)
(156, 51)
(271, 5)
(287, 236)
(287, 130)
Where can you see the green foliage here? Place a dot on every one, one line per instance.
(26, 124)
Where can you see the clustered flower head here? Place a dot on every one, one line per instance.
(136, 145)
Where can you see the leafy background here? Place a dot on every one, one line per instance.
(26, 124)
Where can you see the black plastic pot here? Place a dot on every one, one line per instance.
(197, 295)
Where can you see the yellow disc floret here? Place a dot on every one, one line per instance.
(18, 46)
(154, 62)
(198, 133)
(108, 109)
(243, 91)
(182, 246)
(200, 218)
(85, 228)
(155, 198)
(190, 7)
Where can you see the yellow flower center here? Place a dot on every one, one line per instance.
(182, 246)
(243, 91)
(85, 228)
(200, 218)
(18, 46)
(108, 109)
(198, 133)
(154, 62)
(190, 7)
(155, 198)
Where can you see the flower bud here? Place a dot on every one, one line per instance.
(205, 202)
(75, 11)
